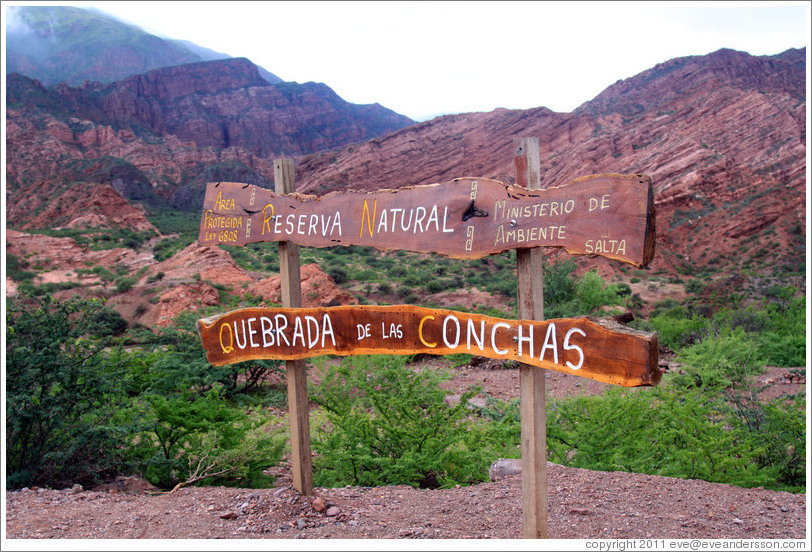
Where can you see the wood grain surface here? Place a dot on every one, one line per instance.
(599, 349)
(610, 215)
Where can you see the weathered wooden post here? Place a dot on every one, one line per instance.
(295, 370)
(532, 380)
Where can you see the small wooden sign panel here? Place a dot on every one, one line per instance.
(598, 349)
(611, 215)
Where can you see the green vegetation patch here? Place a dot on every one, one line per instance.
(82, 409)
(387, 424)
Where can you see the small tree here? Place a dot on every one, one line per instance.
(193, 438)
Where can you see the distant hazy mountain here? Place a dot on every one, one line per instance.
(72, 45)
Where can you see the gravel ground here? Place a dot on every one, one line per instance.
(583, 504)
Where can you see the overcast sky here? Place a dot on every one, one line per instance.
(423, 59)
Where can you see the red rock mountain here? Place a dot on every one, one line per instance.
(47, 156)
(159, 137)
(219, 103)
(225, 103)
(723, 136)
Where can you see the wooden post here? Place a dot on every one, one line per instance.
(530, 273)
(298, 407)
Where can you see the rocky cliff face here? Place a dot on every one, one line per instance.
(186, 281)
(225, 103)
(722, 136)
(667, 82)
(48, 157)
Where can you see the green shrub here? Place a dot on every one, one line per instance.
(695, 434)
(502, 426)
(175, 222)
(783, 338)
(720, 360)
(108, 322)
(169, 246)
(623, 289)
(79, 409)
(182, 364)
(504, 286)
(783, 350)
(15, 269)
(676, 329)
(592, 293)
(155, 277)
(389, 425)
(63, 393)
(663, 305)
(566, 295)
(196, 439)
(366, 275)
(125, 283)
(777, 328)
(103, 274)
(48, 288)
(413, 280)
(338, 274)
(436, 286)
(694, 286)
(781, 434)
(777, 432)
(559, 285)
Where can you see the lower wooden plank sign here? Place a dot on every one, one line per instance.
(600, 349)
(611, 215)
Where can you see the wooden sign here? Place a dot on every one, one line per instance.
(611, 215)
(599, 349)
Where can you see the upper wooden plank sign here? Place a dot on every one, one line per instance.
(598, 349)
(611, 215)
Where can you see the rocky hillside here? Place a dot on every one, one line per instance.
(72, 45)
(723, 137)
(158, 291)
(159, 137)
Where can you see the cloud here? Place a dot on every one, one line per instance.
(14, 21)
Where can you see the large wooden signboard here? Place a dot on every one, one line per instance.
(599, 349)
(611, 215)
